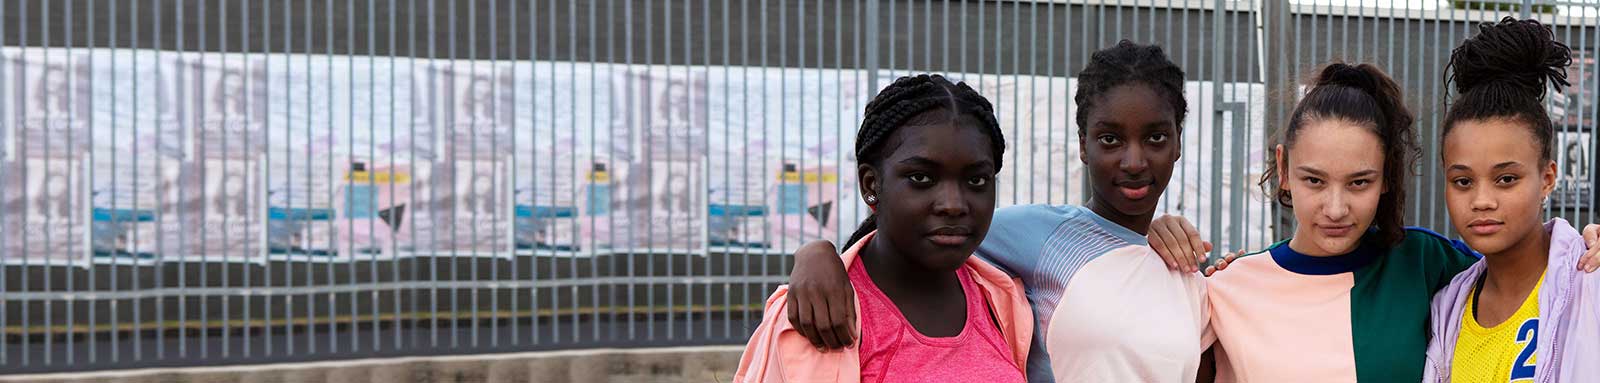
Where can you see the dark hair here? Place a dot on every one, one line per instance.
(1129, 63)
(921, 100)
(1503, 72)
(1364, 95)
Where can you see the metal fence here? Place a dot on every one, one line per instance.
(203, 182)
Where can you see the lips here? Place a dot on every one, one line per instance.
(1485, 226)
(1336, 230)
(1134, 190)
(950, 235)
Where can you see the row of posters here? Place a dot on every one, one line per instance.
(163, 157)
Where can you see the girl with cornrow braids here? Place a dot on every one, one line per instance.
(928, 151)
(1106, 308)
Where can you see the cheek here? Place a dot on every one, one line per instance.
(1458, 202)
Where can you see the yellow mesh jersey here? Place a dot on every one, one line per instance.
(1503, 353)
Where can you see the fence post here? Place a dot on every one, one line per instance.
(871, 35)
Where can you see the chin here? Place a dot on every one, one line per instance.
(944, 260)
(1136, 208)
(1486, 245)
(1340, 245)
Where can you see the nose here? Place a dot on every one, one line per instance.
(1132, 160)
(949, 201)
(1337, 207)
(1483, 200)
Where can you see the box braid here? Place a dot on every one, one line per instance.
(1129, 63)
(914, 101)
(1503, 73)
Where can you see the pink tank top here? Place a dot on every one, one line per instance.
(893, 351)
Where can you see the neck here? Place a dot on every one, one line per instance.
(1517, 269)
(893, 271)
(1138, 223)
(1303, 248)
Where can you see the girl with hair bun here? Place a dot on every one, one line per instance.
(1522, 313)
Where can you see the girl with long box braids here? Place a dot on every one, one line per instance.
(928, 151)
(1522, 313)
(1106, 308)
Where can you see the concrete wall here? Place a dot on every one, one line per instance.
(687, 364)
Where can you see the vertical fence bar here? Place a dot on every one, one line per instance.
(5, 322)
(371, 178)
(516, 259)
(288, 174)
(92, 285)
(397, 321)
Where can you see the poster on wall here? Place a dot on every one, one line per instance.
(227, 105)
(371, 202)
(655, 178)
(547, 210)
(51, 100)
(477, 108)
(300, 208)
(462, 208)
(228, 212)
(125, 204)
(1575, 188)
(49, 219)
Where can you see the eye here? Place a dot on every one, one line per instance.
(1360, 183)
(1462, 182)
(1108, 139)
(978, 181)
(920, 178)
(1314, 181)
(1506, 179)
(1158, 138)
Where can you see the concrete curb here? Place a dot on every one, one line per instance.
(676, 364)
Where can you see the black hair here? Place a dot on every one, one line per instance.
(921, 100)
(1130, 63)
(1503, 73)
(1364, 95)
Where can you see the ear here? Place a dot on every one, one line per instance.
(1083, 147)
(1550, 175)
(1282, 165)
(1177, 138)
(868, 178)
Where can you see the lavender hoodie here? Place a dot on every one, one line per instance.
(1568, 341)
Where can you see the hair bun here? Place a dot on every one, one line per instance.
(1363, 76)
(1516, 55)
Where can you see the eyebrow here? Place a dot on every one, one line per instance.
(1499, 166)
(1319, 173)
(919, 160)
(924, 161)
(1507, 164)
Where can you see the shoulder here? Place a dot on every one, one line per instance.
(1427, 241)
(1031, 215)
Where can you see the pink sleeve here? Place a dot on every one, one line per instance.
(778, 353)
(1208, 333)
(759, 363)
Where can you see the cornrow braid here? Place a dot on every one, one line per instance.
(1503, 72)
(1130, 63)
(914, 101)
